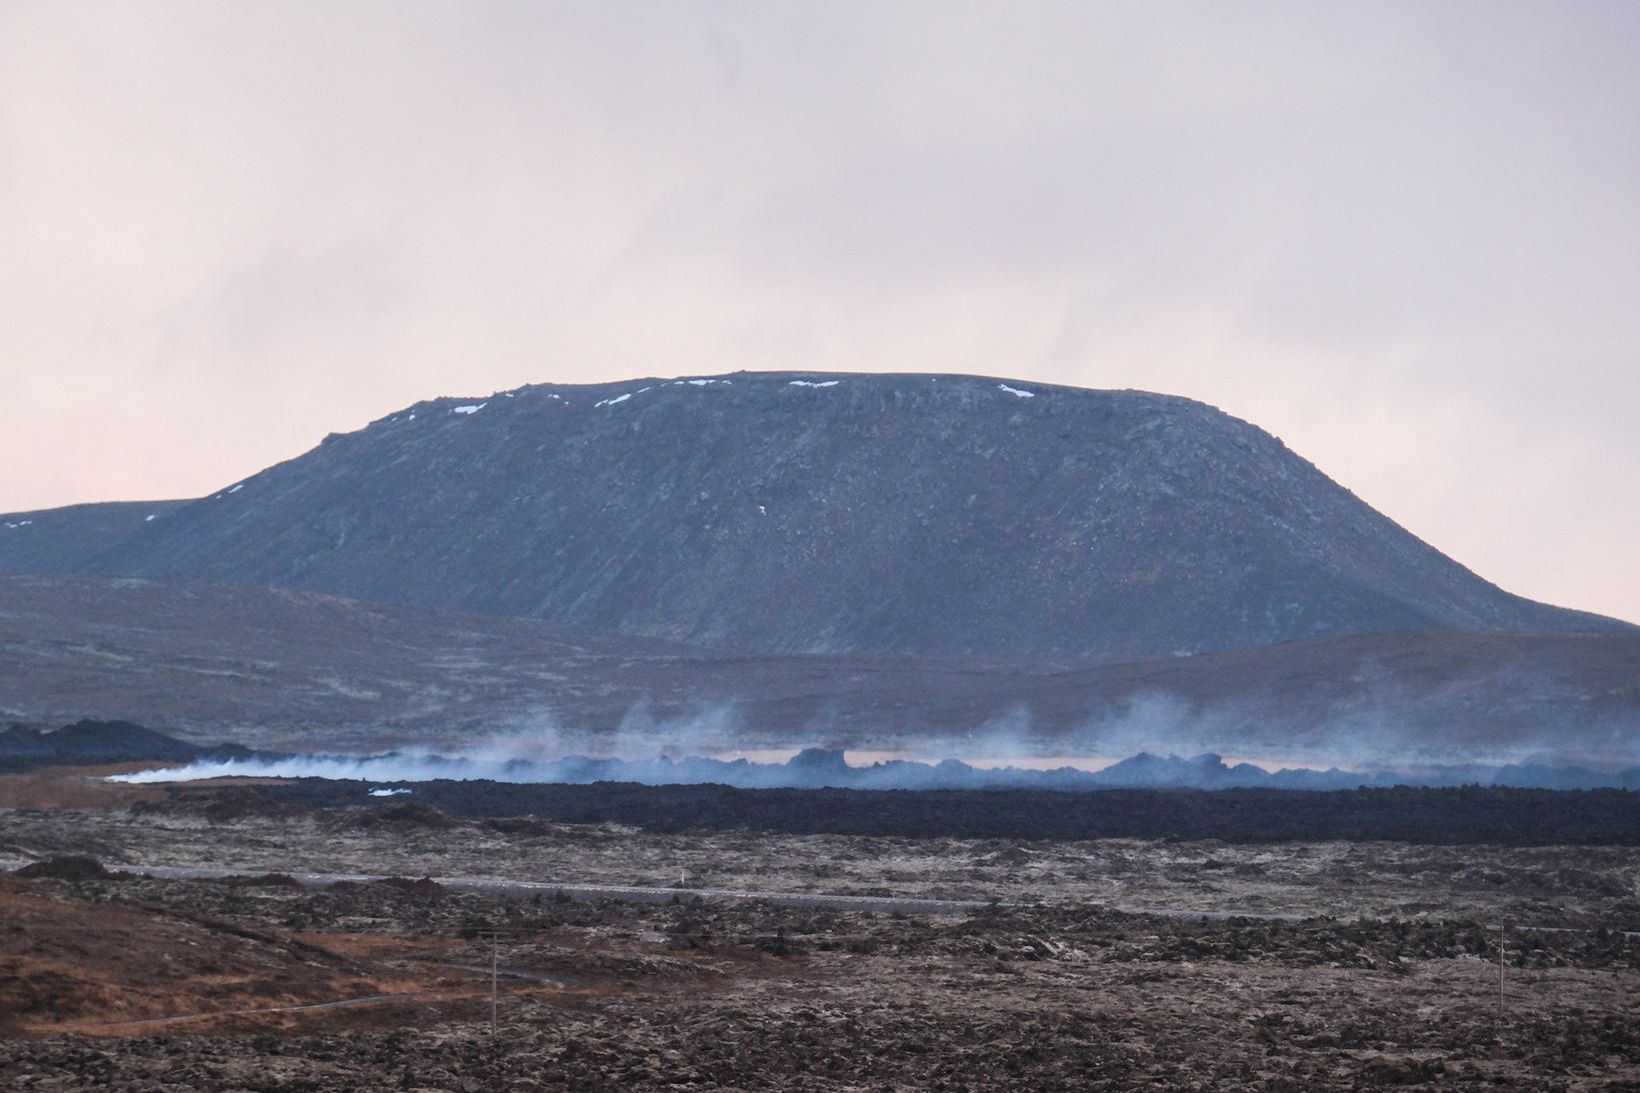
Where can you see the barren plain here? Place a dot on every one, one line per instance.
(1080, 971)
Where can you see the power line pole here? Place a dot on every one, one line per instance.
(495, 990)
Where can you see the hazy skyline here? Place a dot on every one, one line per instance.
(1403, 238)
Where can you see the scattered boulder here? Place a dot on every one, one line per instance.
(219, 804)
(426, 886)
(404, 814)
(66, 867)
(263, 880)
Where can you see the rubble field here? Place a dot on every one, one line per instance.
(1081, 972)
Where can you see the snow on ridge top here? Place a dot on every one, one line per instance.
(811, 383)
(701, 383)
(470, 408)
(1016, 392)
(618, 399)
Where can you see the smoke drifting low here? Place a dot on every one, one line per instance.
(816, 768)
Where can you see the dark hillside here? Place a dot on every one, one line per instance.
(298, 671)
(783, 513)
(63, 540)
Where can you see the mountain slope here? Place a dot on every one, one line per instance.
(64, 539)
(846, 514)
(296, 671)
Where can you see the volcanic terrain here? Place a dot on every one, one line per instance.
(792, 513)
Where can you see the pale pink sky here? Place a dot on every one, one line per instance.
(1402, 237)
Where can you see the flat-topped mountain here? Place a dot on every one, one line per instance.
(784, 513)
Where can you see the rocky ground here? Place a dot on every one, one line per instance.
(1392, 976)
(745, 995)
(1542, 885)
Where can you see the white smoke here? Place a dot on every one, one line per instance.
(540, 758)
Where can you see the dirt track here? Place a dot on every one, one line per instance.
(586, 893)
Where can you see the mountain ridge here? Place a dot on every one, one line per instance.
(833, 513)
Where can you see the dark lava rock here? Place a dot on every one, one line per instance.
(66, 867)
(90, 741)
(425, 887)
(408, 814)
(1453, 816)
(263, 880)
(218, 804)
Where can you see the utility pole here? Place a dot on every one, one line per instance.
(495, 990)
(1500, 968)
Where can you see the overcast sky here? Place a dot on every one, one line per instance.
(1403, 238)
